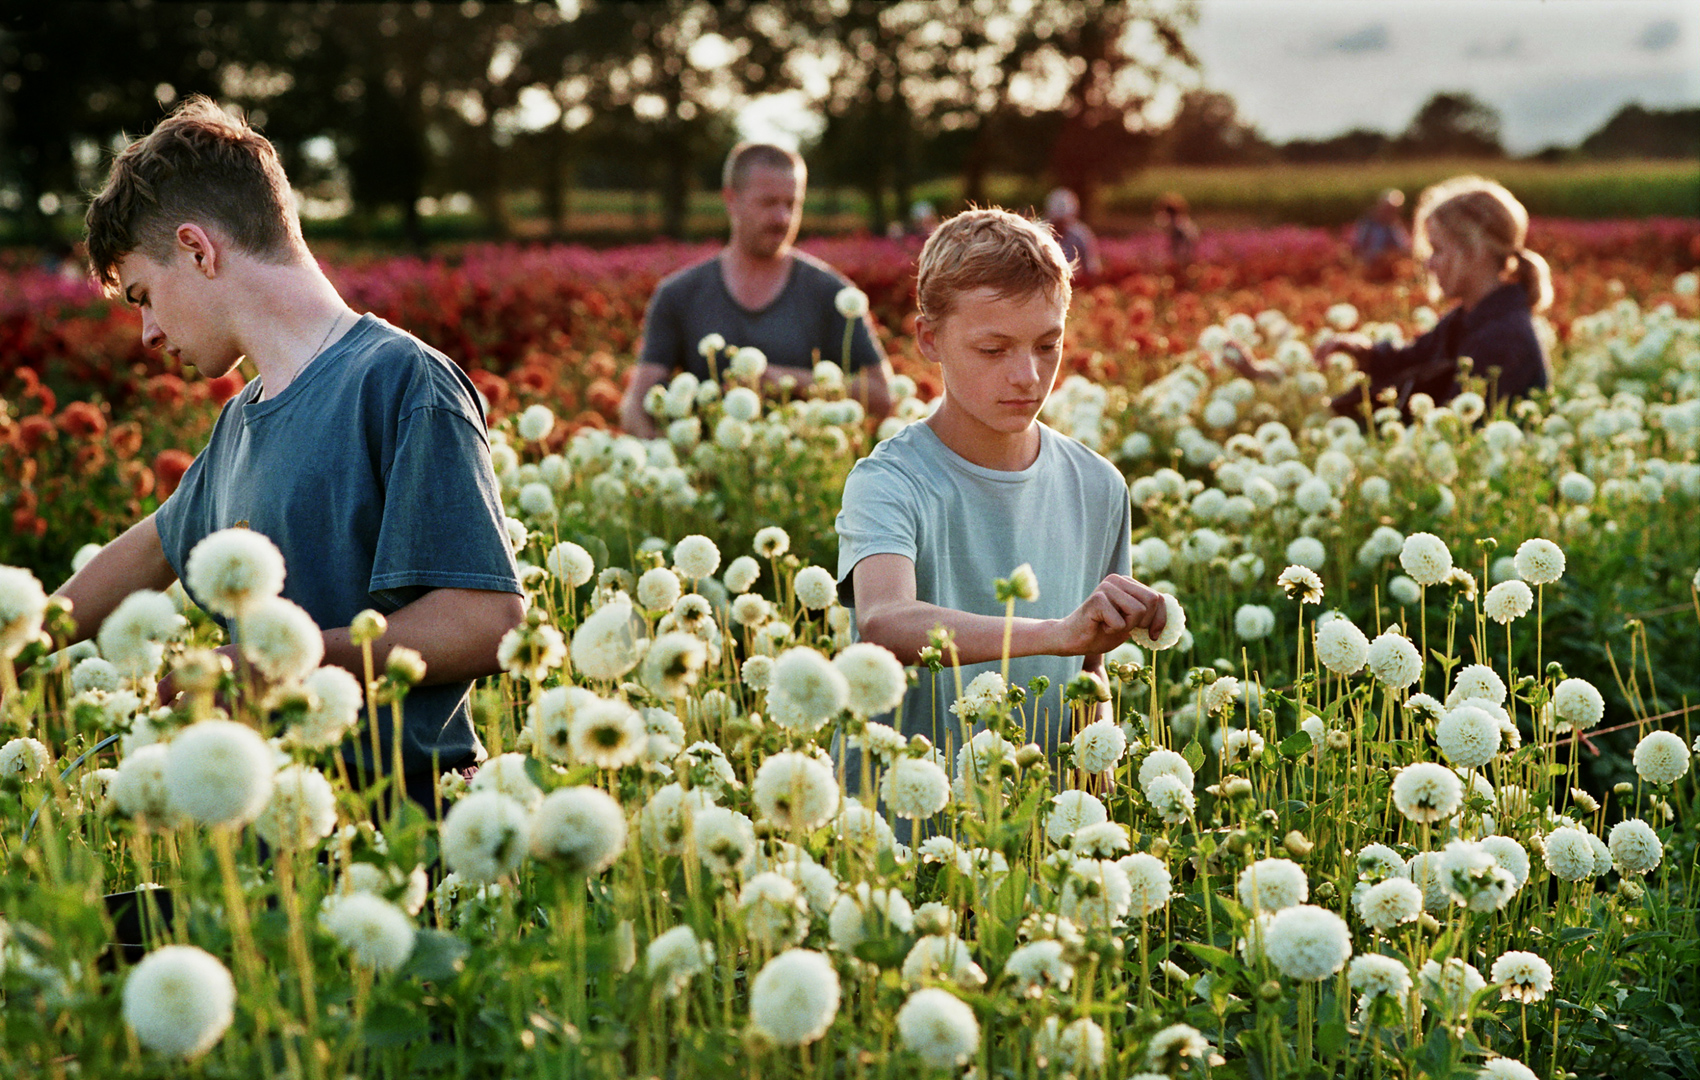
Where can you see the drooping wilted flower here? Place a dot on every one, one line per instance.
(1521, 976)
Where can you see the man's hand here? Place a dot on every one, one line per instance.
(1115, 609)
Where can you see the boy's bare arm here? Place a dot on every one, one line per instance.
(888, 614)
(632, 417)
(871, 386)
(455, 630)
(136, 560)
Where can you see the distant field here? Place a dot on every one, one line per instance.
(1316, 195)
(1335, 194)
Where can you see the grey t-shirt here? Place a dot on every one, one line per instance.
(371, 473)
(965, 526)
(801, 321)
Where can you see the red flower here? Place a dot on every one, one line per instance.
(168, 469)
(33, 431)
(225, 387)
(165, 390)
(82, 419)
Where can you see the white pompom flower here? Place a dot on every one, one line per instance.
(580, 829)
(806, 690)
(179, 1001)
(1661, 758)
(1272, 885)
(1426, 792)
(938, 1028)
(1173, 627)
(134, 636)
(1426, 558)
(377, 932)
(1308, 943)
(1539, 562)
(232, 569)
(1578, 704)
(795, 790)
(23, 605)
(484, 836)
(301, 810)
(794, 998)
(280, 639)
(219, 772)
(696, 557)
(1394, 661)
(1507, 601)
(1635, 847)
(874, 676)
(915, 788)
(1341, 647)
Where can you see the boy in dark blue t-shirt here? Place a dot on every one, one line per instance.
(358, 450)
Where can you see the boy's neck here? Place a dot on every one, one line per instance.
(980, 445)
(292, 315)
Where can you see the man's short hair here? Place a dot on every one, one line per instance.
(993, 249)
(752, 155)
(198, 165)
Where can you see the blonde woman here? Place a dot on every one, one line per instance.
(1470, 234)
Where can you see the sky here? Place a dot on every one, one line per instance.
(1555, 69)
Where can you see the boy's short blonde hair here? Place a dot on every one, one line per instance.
(995, 249)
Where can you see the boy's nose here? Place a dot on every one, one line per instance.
(152, 336)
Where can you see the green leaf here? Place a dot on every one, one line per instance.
(1297, 744)
(437, 957)
(392, 1024)
(1194, 754)
(1331, 1037)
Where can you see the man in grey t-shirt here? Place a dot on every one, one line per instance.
(759, 292)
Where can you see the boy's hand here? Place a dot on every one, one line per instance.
(1116, 607)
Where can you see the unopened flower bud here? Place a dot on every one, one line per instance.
(1621, 790)
(1297, 845)
(368, 626)
(1338, 740)
(1428, 924)
(1269, 992)
(1160, 847)
(1029, 755)
(1584, 801)
(200, 670)
(405, 666)
(920, 746)
(1236, 787)
(1325, 891)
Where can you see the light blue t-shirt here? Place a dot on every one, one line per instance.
(964, 526)
(371, 473)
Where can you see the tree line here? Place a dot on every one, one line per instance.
(397, 102)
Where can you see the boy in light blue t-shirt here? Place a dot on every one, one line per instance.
(940, 511)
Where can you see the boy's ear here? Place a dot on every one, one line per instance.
(198, 243)
(926, 338)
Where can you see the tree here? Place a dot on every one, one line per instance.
(1453, 124)
(1207, 130)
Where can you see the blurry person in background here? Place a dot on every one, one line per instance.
(1379, 238)
(1470, 233)
(759, 292)
(1178, 230)
(923, 219)
(1079, 243)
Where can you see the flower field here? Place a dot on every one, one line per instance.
(1404, 789)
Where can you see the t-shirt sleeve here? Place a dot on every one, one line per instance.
(663, 329)
(1121, 552)
(443, 519)
(878, 516)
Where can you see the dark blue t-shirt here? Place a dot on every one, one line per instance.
(371, 473)
(800, 325)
